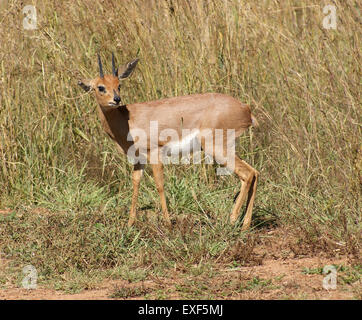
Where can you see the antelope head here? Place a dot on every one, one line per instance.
(107, 87)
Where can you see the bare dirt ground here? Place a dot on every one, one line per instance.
(279, 274)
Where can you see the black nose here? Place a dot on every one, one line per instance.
(117, 99)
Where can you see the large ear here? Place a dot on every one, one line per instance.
(127, 70)
(86, 84)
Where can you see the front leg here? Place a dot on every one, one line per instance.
(136, 178)
(158, 176)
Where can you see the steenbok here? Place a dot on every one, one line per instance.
(204, 118)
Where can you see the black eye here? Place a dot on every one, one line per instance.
(101, 89)
(119, 88)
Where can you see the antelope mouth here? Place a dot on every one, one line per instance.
(113, 104)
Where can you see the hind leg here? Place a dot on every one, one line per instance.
(248, 177)
(246, 173)
(250, 202)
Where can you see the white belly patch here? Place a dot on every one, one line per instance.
(183, 147)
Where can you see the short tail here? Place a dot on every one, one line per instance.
(254, 122)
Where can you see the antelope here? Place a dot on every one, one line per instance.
(212, 111)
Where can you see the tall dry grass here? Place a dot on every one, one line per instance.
(302, 81)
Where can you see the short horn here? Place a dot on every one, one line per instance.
(114, 69)
(100, 67)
